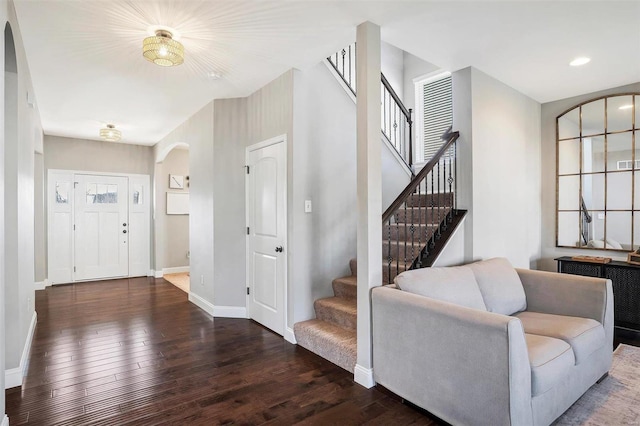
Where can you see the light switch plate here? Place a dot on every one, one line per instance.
(307, 206)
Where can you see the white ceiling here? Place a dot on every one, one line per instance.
(87, 68)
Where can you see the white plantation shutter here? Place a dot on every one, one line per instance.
(437, 114)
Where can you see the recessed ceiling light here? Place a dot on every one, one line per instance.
(626, 106)
(579, 61)
(214, 75)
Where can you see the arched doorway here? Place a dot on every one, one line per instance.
(172, 215)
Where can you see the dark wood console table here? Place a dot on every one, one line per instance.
(626, 286)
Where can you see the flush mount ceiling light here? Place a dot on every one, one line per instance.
(579, 61)
(162, 49)
(110, 133)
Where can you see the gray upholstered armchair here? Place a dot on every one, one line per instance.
(488, 344)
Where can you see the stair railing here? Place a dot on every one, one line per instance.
(423, 213)
(395, 117)
(585, 219)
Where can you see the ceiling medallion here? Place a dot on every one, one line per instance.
(162, 49)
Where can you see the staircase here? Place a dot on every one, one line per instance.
(415, 228)
(332, 335)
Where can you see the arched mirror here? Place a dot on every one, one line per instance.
(598, 174)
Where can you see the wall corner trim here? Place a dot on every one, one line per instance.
(218, 311)
(289, 336)
(201, 303)
(364, 376)
(41, 285)
(13, 377)
(158, 274)
(5, 421)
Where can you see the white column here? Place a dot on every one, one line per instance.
(369, 185)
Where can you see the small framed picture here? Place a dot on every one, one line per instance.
(176, 182)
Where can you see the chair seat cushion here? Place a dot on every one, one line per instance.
(585, 335)
(551, 360)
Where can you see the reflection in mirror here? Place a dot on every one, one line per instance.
(636, 230)
(569, 193)
(569, 157)
(593, 118)
(592, 154)
(593, 191)
(569, 125)
(598, 193)
(636, 191)
(619, 151)
(618, 191)
(619, 113)
(568, 229)
(619, 230)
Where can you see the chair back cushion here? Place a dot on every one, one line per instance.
(452, 284)
(499, 285)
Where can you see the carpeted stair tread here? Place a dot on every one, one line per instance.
(345, 287)
(337, 310)
(406, 231)
(402, 249)
(421, 215)
(426, 200)
(329, 341)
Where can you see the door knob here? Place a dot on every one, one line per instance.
(124, 224)
(279, 249)
(124, 231)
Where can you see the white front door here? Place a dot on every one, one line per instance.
(101, 227)
(267, 222)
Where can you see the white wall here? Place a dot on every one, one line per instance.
(500, 136)
(414, 67)
(26, 134)
(392, 66)
(324, 172)
(230, 139)
(172, 230)
(197, 132)
(549, 113)
(3, 323)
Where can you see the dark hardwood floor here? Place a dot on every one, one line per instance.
(137, 352)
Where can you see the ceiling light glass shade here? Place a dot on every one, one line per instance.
(163, 50)
(110, 133)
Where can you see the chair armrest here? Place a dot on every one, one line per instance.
(566, 294)
(461, 364)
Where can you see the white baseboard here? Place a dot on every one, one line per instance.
(289, 336)
(157, 274)
(41, 285)
(13, 377)
(230, 311)
(5, 421)
(218, 311)
(175, 270)
(364, 376)
(201, 303)
(151, 273)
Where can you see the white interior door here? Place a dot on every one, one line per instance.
(267, 222)
(101, 227)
